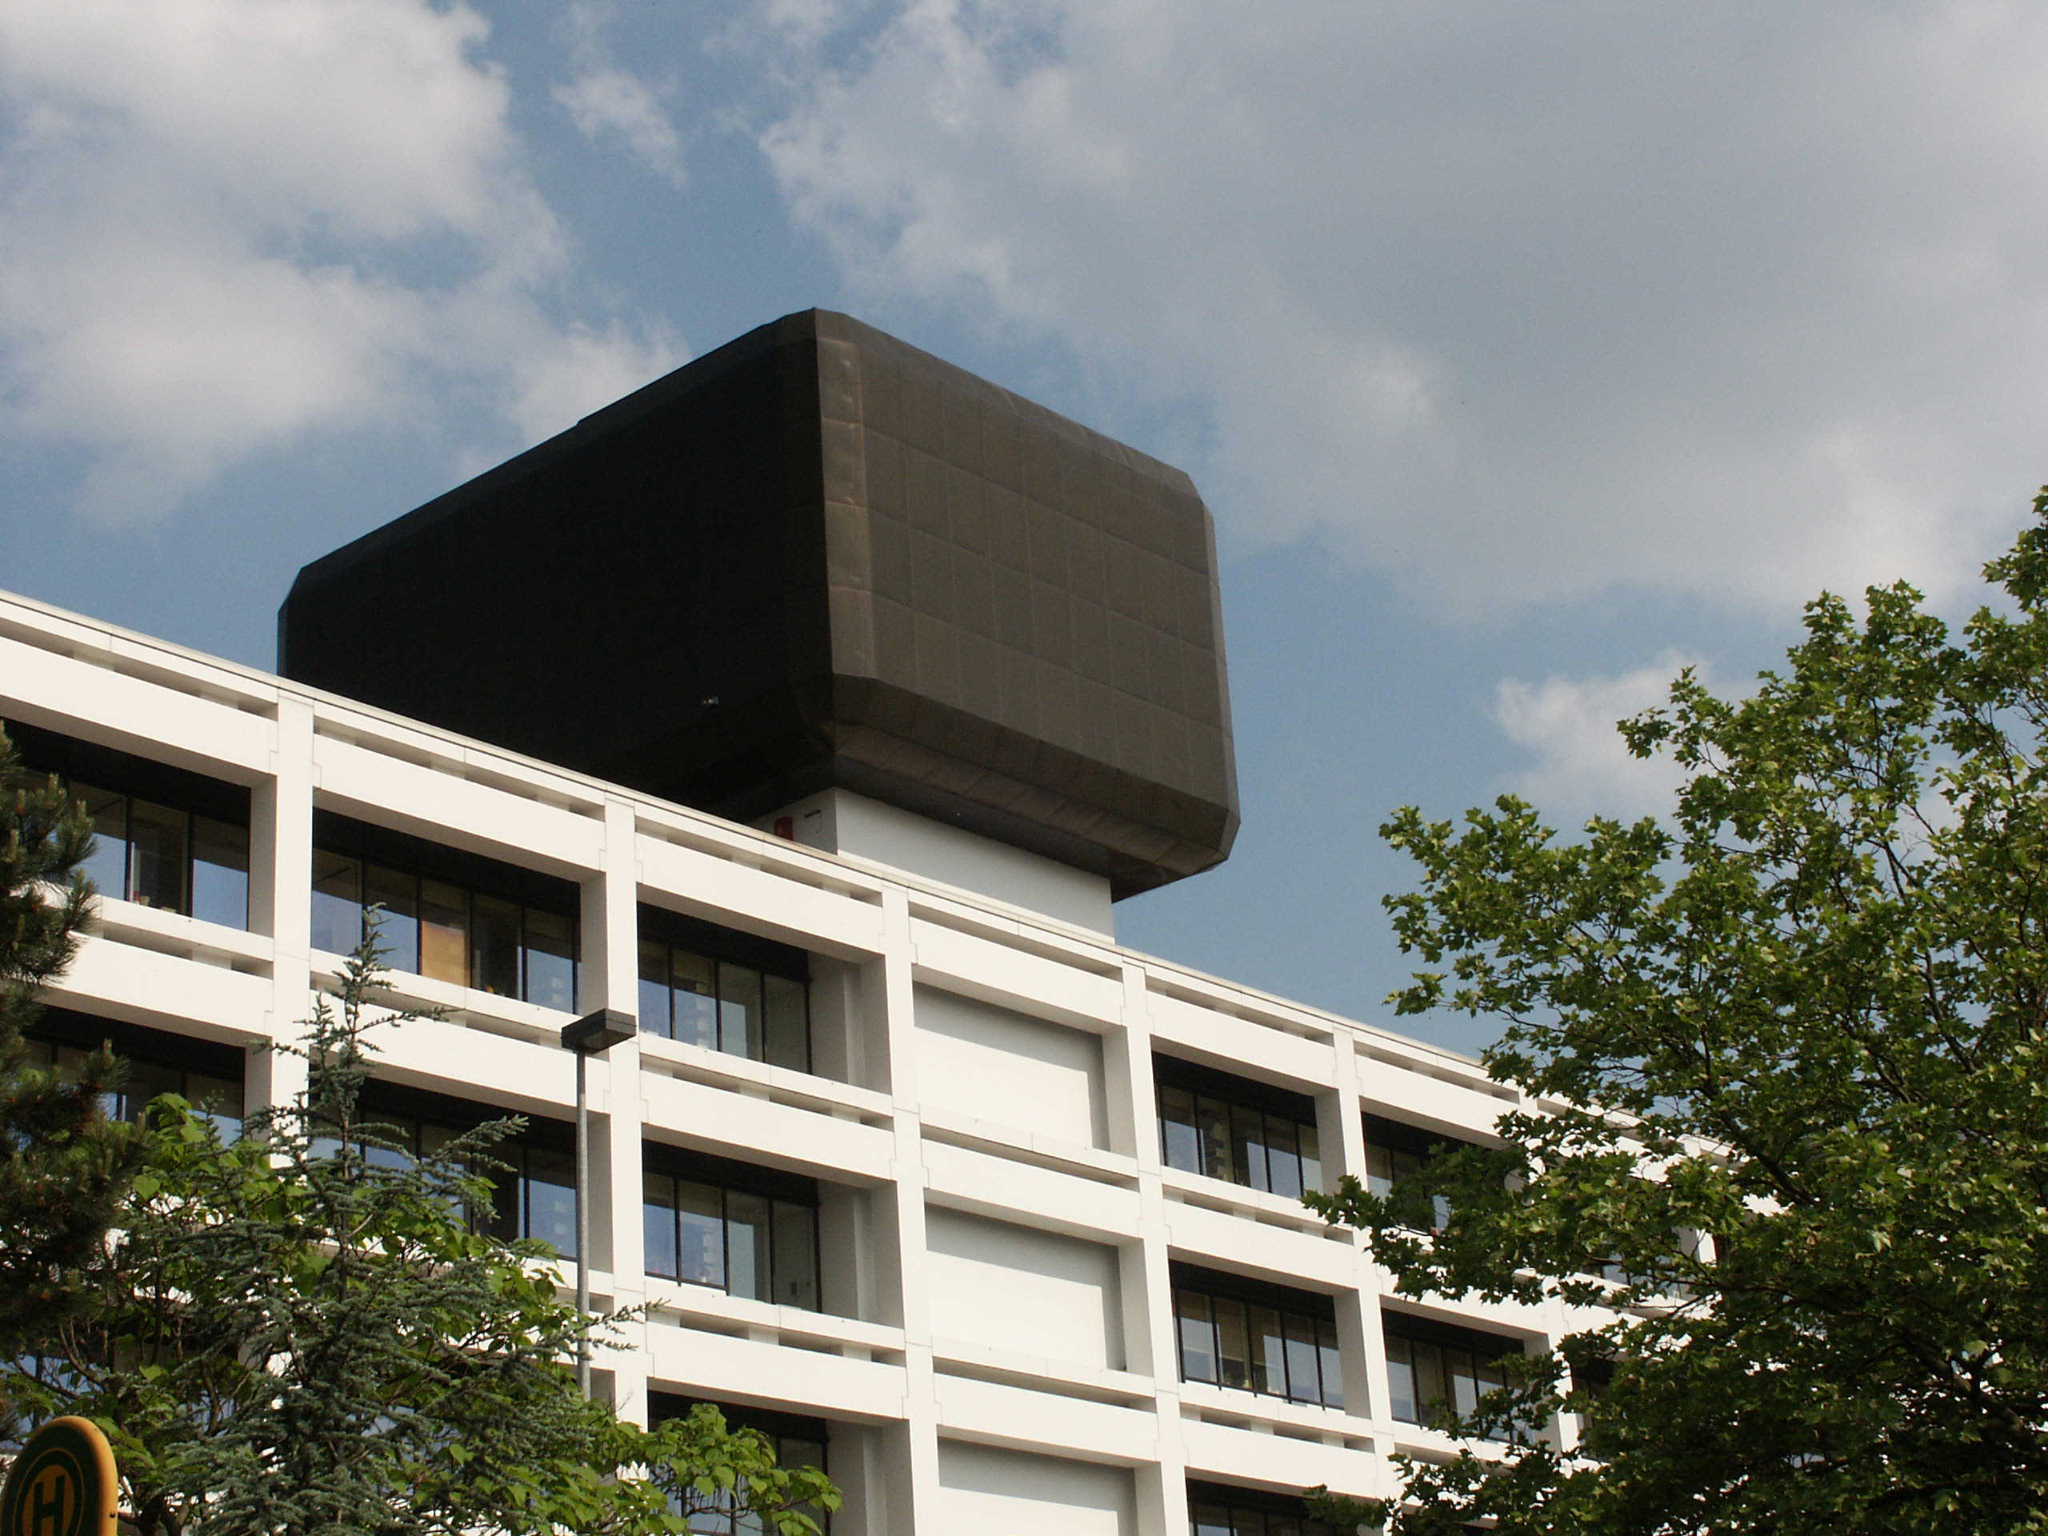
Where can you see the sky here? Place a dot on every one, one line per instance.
(1523, 354)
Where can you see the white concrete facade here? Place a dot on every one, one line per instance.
(997, 1224)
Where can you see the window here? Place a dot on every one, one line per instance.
(533, 1193)
(798, 1442)
(743, 1230)
(163, 837)
(1684, 1253)
(1232, 1128)
(1591, 1377)
(1216, 1510)
(725, 991)
(452, 916)
(207, 1075)
(1395, 1152)
(1260, 1338)
(1435, 1366)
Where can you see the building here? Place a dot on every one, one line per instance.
(915, 1167)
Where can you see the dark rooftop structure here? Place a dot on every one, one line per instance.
(819, 558)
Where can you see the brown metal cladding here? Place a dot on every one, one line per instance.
(815, 557)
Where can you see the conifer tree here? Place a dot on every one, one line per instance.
(303, 1333)
(62, 1161)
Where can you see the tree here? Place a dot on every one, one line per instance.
(302, 1332)
(62, 1162)
(1807, 1018)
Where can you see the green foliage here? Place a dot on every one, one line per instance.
(62, 1162)
(1813, 1011)
(295, 1334)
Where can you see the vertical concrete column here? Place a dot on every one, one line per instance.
(610, 978)
(1340, 1123)
(1134, 1127)
(1127, 1075)
(913, 1461)
(1359, 1338)
(1161, 1486)
(281, 898)
(1162, 1496)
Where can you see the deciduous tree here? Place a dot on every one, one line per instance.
(1806, 1015)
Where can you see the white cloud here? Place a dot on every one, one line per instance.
(601, 101)
(1517, 305)
(573, 372)
(233, 223)
(1578, 764)
(603, 98)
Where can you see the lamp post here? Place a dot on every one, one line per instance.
(591, 1035)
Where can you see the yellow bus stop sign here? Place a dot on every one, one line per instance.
(62, 1483)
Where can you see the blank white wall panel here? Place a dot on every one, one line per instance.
(1012, 1493)
(999, 1286)
(999, 1065)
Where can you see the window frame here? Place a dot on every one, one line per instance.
(1249, 1512)
(508, 1217)
(746, 961)
(434, 878)
(1443, 1341)
(782, 1429)
(1253, 1302)
(58, 1030)
(781, 1192)
(1223, 1110)
(86, 767)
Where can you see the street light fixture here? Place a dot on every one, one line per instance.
(591, 1035)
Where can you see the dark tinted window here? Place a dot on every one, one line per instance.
(452, 916)
(1233, 1128)
(1269, 1339)
(799, 1441)
(204, 1073)
(723, 990)
(1218, 1510)
(164, 837)
(742, 1230)
(1432, 1366)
